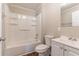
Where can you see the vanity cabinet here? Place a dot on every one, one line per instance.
(59, 49)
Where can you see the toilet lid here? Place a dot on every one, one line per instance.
(41, 47)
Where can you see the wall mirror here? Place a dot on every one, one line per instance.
(70, 15)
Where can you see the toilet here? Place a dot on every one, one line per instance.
(43, 49)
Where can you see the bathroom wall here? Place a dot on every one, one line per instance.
(0, 20)
(51, 18)
(0, 28)
(70, 31)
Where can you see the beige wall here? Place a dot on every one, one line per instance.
(70, 31)
(51, 18)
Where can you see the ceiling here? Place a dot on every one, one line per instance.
(34, 6)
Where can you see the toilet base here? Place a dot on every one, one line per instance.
(44, 53)
(41, 54)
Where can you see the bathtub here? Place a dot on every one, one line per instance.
(21, 49)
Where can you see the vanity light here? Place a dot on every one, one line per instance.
(24, 17)
(64, 4)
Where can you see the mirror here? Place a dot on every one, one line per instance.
(70, 15)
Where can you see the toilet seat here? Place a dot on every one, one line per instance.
(41, 48)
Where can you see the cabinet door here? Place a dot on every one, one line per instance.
(70, 53)
(56, 50)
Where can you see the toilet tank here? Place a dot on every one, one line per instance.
(48, 39)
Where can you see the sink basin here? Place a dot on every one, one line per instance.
(68, 38)
(65, 40)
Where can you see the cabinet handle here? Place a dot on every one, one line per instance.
(65, 49)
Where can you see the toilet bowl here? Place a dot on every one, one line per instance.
(43, 49)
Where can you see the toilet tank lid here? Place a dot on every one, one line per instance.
(49, 36)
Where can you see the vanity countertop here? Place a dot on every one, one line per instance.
(65, 40)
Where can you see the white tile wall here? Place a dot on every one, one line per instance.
(14, 34)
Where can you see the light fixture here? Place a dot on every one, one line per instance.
(64, 4)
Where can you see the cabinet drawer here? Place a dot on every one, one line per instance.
(72, 49)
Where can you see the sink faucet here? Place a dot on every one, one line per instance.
(70, 38)
(73, 39)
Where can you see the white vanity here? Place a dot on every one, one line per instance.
(64, 47)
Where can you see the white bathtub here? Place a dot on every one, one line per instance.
(21, 49)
